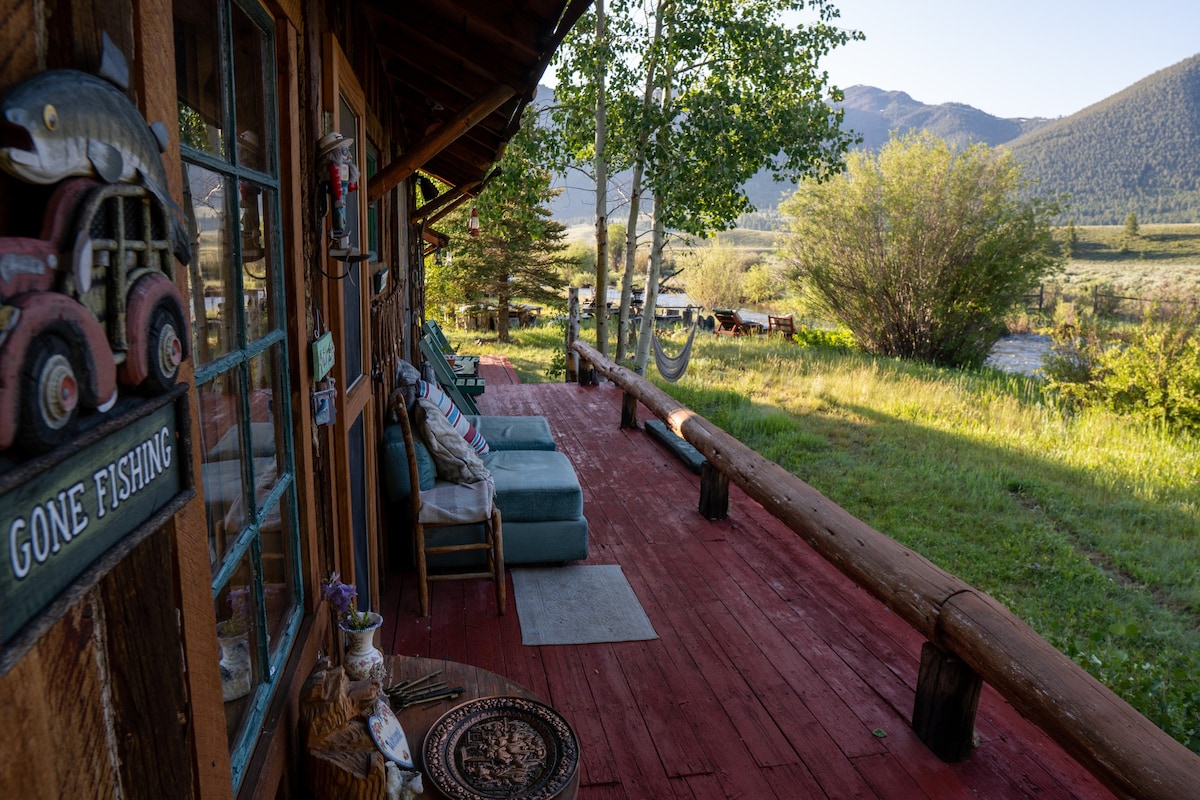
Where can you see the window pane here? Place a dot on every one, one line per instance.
(249, 49)
(357, 453)
(198, 77)
(352, 321)
(278, 566)
(210, 276)
(221, 443)
(237, 632)
(258, 260)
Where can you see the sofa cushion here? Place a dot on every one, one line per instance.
(514, 433)
(535, 485)
(395, 464)
(433, 393)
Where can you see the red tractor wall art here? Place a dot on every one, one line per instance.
(89, 304)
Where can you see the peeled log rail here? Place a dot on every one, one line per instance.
(1123, 749)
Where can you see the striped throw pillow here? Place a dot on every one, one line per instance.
(434, 394)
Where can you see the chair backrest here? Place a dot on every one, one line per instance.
(445, 376)
(782, 324)
(434, 331)
(727, 319)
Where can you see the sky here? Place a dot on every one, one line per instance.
(1012, 58)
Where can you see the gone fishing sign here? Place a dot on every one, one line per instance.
(65, 522)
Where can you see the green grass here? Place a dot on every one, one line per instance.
(1158, 244)
(1087, 527)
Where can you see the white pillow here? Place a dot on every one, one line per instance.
(456, 460)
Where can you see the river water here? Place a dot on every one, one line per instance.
(1020, 353)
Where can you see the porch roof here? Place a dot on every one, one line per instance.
(461, 72)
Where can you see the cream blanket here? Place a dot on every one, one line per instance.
(470, 496)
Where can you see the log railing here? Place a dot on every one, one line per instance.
(970, 633)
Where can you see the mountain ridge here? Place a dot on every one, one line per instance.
(1137, 151)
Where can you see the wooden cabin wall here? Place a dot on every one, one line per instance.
(105, 704)
(98, 705)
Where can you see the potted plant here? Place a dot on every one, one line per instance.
(362, 657)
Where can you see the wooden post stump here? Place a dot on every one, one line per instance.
(714, 492)
(629, 418)
(572, 333)
(947, 698)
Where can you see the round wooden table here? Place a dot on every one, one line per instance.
(418, 719)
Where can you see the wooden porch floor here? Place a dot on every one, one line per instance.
(774, 675)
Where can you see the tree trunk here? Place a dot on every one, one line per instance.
(502, 316)
(653, 273)
(635, 189)
(654, 267)
(601, 191)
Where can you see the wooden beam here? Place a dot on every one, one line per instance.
(433, 237)
(1127, 752)
(441, 200)
(401, 168)
(458, 201)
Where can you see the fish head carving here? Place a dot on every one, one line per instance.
(34, 145)
(63, 123)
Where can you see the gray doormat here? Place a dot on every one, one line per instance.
(578, 605)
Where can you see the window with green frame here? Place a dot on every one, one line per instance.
(225, 68)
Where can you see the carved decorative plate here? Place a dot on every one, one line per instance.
(501, 748)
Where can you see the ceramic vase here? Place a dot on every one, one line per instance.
(235, 666)
(361, 654)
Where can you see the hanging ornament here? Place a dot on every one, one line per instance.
(473, 225)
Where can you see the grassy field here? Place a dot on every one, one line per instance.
(1087, 527)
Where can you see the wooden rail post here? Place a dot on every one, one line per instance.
(947, 699)
(629, 418)
(714, 492)
(572, 333)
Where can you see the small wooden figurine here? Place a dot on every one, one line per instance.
(342, 759)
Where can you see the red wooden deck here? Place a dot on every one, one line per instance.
(774, 676)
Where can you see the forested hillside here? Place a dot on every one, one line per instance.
(1138, 151)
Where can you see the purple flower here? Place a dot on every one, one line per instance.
(342, 597)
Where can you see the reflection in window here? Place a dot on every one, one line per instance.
(211, 275)
(237, 635)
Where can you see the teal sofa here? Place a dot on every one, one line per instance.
(537, 490)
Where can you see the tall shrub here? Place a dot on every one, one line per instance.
(922, 249)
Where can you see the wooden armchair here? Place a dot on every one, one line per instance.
(730, 323)
(784, 325)
(438, 338)
(491, 543)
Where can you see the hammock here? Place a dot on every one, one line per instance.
(672, 369)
